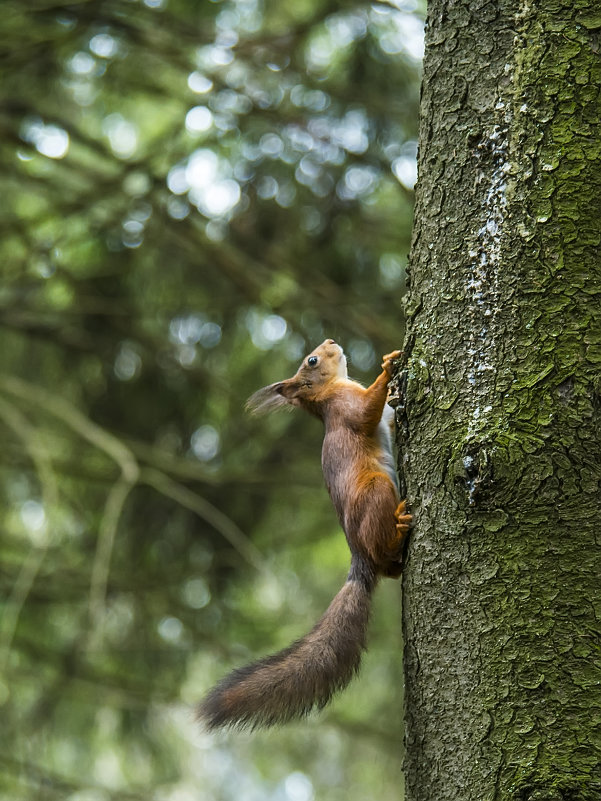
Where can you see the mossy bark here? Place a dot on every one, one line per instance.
(500, 408)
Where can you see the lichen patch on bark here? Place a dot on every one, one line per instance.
(482, 287)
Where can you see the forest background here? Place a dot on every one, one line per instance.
(193, 195)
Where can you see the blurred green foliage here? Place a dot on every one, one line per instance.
(193, 194)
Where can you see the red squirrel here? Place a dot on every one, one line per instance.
(359, 473)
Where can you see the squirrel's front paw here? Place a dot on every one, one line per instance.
(388, 360)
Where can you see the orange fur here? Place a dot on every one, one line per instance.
(359, 473)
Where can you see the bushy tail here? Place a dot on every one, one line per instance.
(303, 676)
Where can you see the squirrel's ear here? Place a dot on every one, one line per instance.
(269, 398)
(290, 389)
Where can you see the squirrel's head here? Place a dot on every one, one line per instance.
(324, 364)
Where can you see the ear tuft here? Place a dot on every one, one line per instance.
(267, 399)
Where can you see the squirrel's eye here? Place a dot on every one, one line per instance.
(312, 361)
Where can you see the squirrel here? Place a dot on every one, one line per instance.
(359, 473)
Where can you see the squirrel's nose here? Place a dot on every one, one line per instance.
(330, 342)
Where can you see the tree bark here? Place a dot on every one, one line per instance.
(500, 408)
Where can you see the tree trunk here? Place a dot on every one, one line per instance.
(500, 411)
